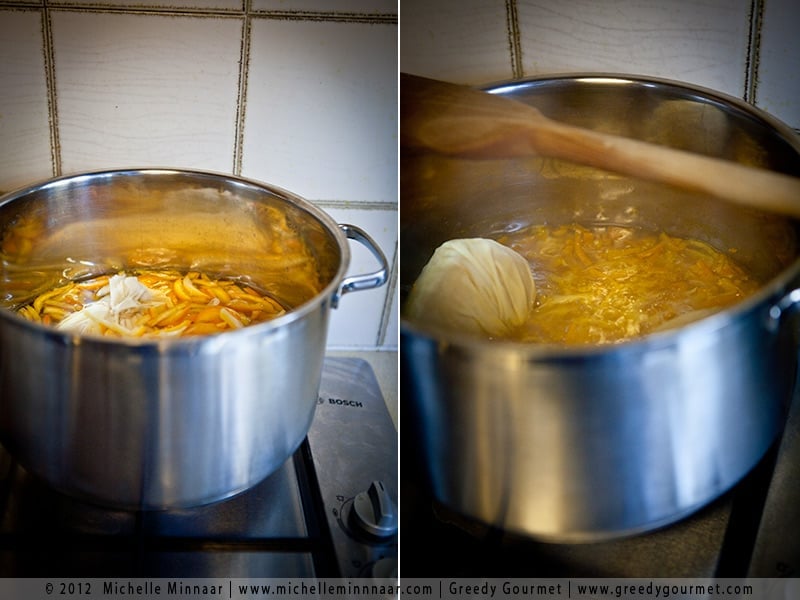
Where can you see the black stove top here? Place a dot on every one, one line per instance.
(295, 523)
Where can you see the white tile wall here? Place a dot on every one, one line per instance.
(464, 41)
(24, 126)
(330, 132)
(132, 91)
(300, 94)
(747, 48)
(778, 85)
(680, 39)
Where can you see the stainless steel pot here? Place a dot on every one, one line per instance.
(572, 444)
(173, 422)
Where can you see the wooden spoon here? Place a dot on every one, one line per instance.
(461, 121)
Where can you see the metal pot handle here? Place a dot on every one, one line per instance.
(368, 281)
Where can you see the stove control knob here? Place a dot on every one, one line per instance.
(374, 511)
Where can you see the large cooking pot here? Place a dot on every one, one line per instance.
(169, 422)
(582, 443)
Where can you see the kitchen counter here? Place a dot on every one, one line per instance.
(385, 366)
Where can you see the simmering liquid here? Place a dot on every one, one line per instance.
(148, 303)
(608, 284)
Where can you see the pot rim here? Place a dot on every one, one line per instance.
(615, 78)
(769, 291)
(296, 313)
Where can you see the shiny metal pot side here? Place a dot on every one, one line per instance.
(170, 422)
(576, 444)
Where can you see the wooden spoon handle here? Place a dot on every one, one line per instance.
(461, 121)
(725, 180)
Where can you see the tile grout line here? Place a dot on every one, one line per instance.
(333, 17)
(172, 11)
(514, 43)
(753, 51)
(50, 82)
(241, 100)
(394, 272)
(386, 313)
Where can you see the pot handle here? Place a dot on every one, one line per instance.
(368, 281)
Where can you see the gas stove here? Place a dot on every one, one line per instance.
(750, 531)
(329, 511)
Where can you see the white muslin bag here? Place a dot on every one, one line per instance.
(473, 285)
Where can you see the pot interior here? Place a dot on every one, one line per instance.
(86, 225)
(444, 198)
